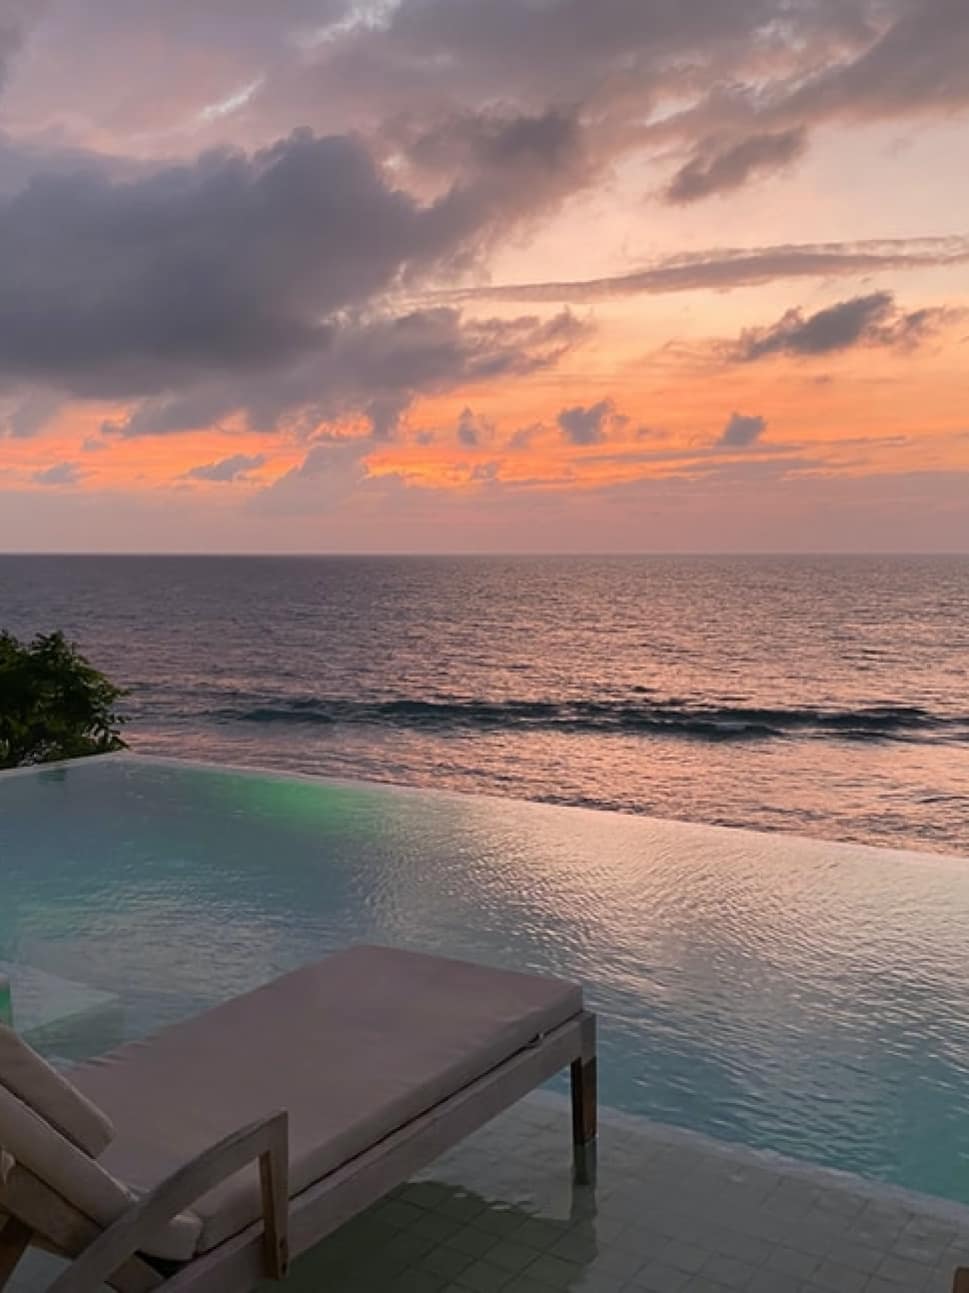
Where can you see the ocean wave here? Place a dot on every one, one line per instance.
(657, 717)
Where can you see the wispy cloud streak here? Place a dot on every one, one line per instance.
(721, 269)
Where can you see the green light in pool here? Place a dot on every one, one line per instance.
(297, 802)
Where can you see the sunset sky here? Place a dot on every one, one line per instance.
(482, 275)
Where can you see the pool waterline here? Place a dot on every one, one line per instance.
(783, 993)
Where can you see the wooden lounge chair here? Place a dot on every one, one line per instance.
(339, 1081)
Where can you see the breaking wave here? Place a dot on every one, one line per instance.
(662, 718)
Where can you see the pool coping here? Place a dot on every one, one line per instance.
(901, 1197)
(261, 772)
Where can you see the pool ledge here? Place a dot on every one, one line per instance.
(816, 1175)
(844, 849)
(673, 1212)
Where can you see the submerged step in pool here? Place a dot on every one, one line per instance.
(784, 993)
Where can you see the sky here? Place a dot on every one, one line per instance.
(484, 275)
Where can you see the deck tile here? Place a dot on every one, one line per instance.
(671, 1213)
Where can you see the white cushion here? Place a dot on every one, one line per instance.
(50, 1094)
(353, 1047)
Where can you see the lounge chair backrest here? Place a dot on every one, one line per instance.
(50, 1095)
(28, 1139)
(54, 1134)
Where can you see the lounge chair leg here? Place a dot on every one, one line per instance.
(274, 1180)
(585, 1106)
(14, 1242)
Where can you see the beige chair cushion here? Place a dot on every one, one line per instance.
(83, 1183)
(49, 1094)
(353, 1047)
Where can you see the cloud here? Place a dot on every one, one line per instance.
(584, 426)
(525, 436)
(899, 60)
(467, 429)
(719, 169)
(373, 61)
(485, 473)
(383, 412)
(872, 320)
(237, 467)
(493, 139)
(516, 162)
(154, 69)
(330, 472)
(369, 366)
(741, 431)
(233, 265)
(473, 430)
(61, 473)
(29, 414)
(485, 88)
(16, 19)
(746, 72)
(230, 263)
(419, 53)
(916, 65)
(722, 269)
(257, 286)
(519, 103)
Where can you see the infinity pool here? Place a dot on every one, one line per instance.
(784, 993)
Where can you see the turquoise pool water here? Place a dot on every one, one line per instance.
(785, 993)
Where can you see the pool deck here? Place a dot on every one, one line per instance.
(672, 1212)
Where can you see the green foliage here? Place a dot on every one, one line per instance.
(53, 703)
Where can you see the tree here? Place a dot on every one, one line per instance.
(53, 703)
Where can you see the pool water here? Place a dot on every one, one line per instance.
(785, 993)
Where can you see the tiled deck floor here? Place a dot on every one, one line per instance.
(672, 1213)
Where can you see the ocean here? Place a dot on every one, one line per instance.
(825, 696)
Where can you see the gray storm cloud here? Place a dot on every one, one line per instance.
(872, 320)
(719, 169)
(122, 288)
(370, 366)
(249, 281)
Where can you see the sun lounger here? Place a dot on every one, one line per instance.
(200, 1158)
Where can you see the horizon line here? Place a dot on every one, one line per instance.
(489, 553)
